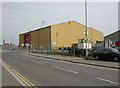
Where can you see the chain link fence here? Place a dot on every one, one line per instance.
(61, 51)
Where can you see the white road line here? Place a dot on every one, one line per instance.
(65, 69)
(107, 81)
(89, 65)
(36, 62)
(38, 57)
(75, 63)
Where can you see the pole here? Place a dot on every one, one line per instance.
(86, 33)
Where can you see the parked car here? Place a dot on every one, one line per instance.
(90, 53)
(106, 54)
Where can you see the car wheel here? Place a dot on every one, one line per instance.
(97, 57)
(116, 59)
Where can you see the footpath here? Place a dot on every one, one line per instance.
(79, 60)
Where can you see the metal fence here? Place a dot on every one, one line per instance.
(61, 51)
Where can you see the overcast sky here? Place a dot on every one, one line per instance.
(19, 17)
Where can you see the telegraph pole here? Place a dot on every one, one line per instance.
(86, 31)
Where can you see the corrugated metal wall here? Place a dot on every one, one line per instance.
(64, 34)
(68, 33)
(45, 37)
(38, 38)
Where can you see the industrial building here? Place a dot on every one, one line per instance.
(59, 35)
(113, 39)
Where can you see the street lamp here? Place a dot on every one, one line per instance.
(86, 31)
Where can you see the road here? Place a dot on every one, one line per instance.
(41, 71)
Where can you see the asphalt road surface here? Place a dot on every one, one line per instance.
(41, 71)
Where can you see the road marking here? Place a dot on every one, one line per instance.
(74, 63)
(36, 62)
(14, 76)
(65, 69)
(107, 81)
(23, 81)
(37, 57)
(89, 65)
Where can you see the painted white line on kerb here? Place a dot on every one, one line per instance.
(107, 81)
(65, 69)
(37, 62)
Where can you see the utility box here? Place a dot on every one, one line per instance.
(82, 44)
(74, 45)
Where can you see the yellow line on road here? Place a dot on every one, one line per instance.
(23, 78)
(19, 76)
(7, 65)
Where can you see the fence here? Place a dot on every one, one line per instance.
(61, 51)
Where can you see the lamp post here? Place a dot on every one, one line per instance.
(86, 31)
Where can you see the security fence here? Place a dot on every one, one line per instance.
(61, 51)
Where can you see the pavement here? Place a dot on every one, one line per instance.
(107, 64)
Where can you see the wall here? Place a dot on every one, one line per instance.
(34, 38)
(41, 37)
(21, 40)
(95, 35)
(45, 37)
(61, 35)
(69, 33)
(113, 36)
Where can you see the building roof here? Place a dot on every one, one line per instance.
(56, 24)
(34, 30)
(118, 31)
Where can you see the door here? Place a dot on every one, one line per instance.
(27, 39)
(107, 54)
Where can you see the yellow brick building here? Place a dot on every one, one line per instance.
(60, 35)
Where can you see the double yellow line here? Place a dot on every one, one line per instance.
(19, 76)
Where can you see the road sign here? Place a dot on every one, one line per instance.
(85, 32)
